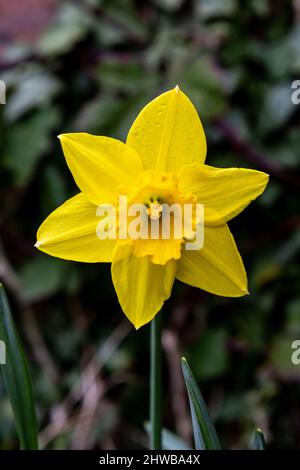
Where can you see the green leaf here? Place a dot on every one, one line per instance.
(277, 107)
(213, 345)
(71, 25)
(170, 441)
(42, 277)
(169, 5)
(26, 141)
(205, 87)
(17, 379)
(280, 357)
(205, 435)
(258, 441)
(208, 9)
(35, 89)
(127, 19)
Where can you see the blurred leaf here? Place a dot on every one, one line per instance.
(170, 441)
(17, 379)
(26, 141)
(35, 89)
(286, 151)
(213, 344)
(277, 107)
(282, 57)
(288, 249)
(127, 18)
(169, 5)
(265, 271)
(17, 52)
(110, 35)
(129, 77)
(260, 7)
(7, 428)
(257, 307)
(272, 193)
(208, 9)
(54, 191)
(293, 316)
(234, 407)
(258, 441)
(280, 357)
(237, 120)
(162, 46)
(42, 277)
(100, 115)
(67, 343)
(205, 435)
(69, 27)
(273, 264)
(205, 87)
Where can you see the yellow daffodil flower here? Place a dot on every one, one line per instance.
(162, 162)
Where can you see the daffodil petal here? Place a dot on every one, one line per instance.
(217, 267)
(70, 233)
(168, 133)
(225, 192)
(99, 164)
(160, 251)
(141, 286)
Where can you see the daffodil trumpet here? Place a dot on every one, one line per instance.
(161, 164)
(152, 220)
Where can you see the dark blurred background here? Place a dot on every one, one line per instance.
(91, 66)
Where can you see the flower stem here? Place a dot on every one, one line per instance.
(155, 383)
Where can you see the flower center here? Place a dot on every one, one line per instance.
(154, 210)
(160, 218)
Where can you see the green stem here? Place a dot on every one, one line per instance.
(155, 383)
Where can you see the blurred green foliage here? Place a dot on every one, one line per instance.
(91, 68)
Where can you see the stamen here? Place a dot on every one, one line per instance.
(154, 210)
